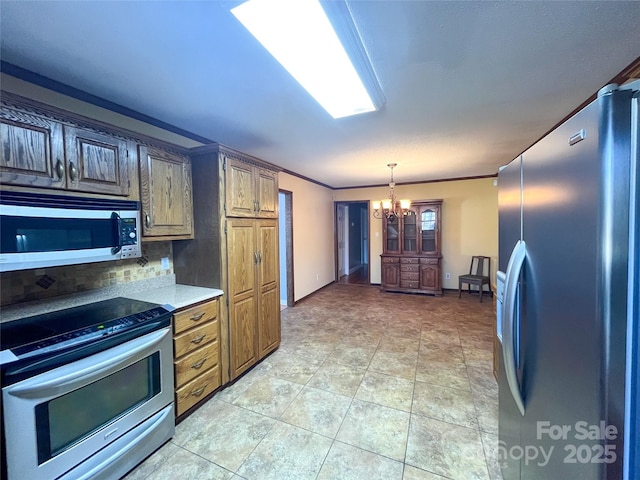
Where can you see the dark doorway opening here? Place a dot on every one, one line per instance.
(352, 242)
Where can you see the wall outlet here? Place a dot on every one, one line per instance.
(164, 261)
(317, 276)
(447, 276)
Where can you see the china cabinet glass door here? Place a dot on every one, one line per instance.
(393, 234)
(428, 223)
(410, 232)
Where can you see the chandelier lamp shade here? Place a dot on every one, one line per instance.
(391, 207)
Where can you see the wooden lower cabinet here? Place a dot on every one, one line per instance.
(411, 274)
(196, 344)
(253, 291)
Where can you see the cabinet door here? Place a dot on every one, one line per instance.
(32, 152)
(391, 234)
(430, 276)
(96, 163)
(242, 284)
(240, 189)
(429, 218)
(268, 291)
(410, 232)
(390, 273)
(165, 190)
(267, 196)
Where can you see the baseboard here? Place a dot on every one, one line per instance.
(313, 293)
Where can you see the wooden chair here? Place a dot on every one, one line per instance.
(477, 275)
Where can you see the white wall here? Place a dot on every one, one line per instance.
(313, 234)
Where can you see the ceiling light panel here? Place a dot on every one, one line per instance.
(300, 36)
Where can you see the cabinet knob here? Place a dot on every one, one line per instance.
(73, 172)
(60, 169)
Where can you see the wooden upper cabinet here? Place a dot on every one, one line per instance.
(251, 192)
(96, 162)
(165, 191)
(41, 152)
(32, 151)
(267, 194)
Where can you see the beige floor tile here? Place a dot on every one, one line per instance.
(441, 352)
(286, 453)
(441, 335)
(375, 428)
(386, 390)
(185, 464)
(395, 363)
(337, 378)
(480, 357)
(400, 344)
(445, 404)
(268, 396)
(317, 410)
(229, 435)
(352, 355)
(446, 449)
(346, 462)
(295, 368)
(490, 445)
(487, 414)
(161, 457)
(413, 473)
(445, 374)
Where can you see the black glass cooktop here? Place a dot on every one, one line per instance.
(102, 317)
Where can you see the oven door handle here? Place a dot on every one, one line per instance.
(86, 370)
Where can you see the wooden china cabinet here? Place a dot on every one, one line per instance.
(411, 252)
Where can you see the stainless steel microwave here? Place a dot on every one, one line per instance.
(41, 230)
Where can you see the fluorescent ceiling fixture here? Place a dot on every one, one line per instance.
(300, 36)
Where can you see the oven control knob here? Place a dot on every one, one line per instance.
(132, 234)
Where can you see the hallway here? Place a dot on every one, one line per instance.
(366, 385)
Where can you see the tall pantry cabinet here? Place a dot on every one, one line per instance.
(235, 248)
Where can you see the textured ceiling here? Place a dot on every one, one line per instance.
(469, 85)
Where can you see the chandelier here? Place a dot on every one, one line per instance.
(390, 207)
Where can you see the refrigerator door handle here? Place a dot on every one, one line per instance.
(516, 262)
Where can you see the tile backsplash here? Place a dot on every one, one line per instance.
(40, 283)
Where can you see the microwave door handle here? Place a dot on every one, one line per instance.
(117, 228)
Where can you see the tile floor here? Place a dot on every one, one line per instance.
(366, 385)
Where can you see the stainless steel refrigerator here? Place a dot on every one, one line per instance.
(568, 287)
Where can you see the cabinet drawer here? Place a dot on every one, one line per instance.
(390, 260)
(429, 261)
(409, 276)
(409, 267)
(195, 363)
(197, 389)
(196, 338)
(195, 316)
(408, 283)
(410, 260)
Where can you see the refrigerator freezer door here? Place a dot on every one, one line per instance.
(568, 343)
(509, 197)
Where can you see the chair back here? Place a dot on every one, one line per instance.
(479, 262)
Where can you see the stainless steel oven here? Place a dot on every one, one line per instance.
(87, 393)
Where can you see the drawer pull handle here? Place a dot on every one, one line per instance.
(199, 364)
(198, 339)
(197, 317)
(197, 393)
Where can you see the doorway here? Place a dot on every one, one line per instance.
(352, 242)
(285, 235)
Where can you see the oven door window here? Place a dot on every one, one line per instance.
(38, 234)
(66, 420)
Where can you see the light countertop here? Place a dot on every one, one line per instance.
(162, 291)
(176, 295)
